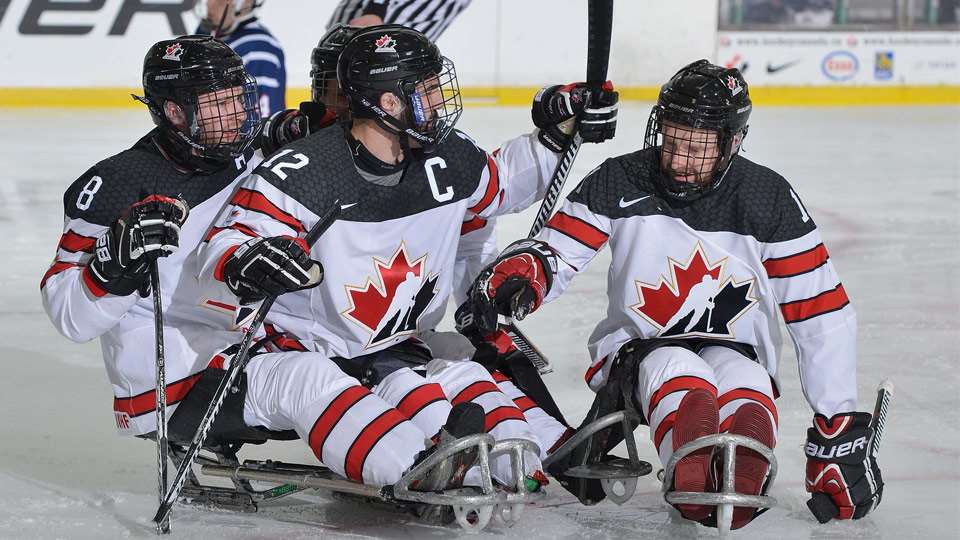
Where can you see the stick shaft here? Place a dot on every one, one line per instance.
(163, 527)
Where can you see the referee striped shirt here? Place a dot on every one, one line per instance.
(431, 17)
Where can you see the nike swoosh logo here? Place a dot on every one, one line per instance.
(773, 69)
(345, 206)
(624, 204)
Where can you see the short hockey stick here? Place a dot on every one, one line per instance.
(599, 30)
(163, 527)
(821, 504)
(237, 365)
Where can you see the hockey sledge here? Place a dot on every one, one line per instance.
(473, 506)
(727, 497)
(618, 476)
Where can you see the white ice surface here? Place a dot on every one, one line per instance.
(882, 183)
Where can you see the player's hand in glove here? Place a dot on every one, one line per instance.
(286, 126)
(558, 110)
(843, 478)
(514, 285)
(148, 229)
(265, 266)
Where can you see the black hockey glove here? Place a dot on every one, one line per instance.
(286, 126)
(514, 285)
(558, 110)
(266, 266)
(841, 474)
(148, 229)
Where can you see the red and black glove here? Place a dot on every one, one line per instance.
(841, 474)
(557, 110)
(514, 285)
(148, 229)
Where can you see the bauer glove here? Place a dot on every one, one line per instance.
(286, 126)
(148, 229)
(558, 110)
(841, 474)
(270, 266)
(514, 285)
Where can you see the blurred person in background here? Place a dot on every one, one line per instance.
(431, 17)
(235, 23)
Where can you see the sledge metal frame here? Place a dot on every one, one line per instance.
(473, 507)
(616, 475)
(727, 497)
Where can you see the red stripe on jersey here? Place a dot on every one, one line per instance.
(419, 398)
(331, 415)
(665, 425)
(499, 377)
(147, 401)
(218, 361)
(579, 230)
(368, 438)
(753, 395)
(71, 241)
(236, 227)
(56, 268)
(678, 384)
(493, 188)
(91, 284)
(502, 414)
(524, 403)
(474, 391)
(474, 224)
(258, 202)
(592, 370)
(820, 304)
(796, 264)
(218, 270)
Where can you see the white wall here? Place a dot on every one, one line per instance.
(494, 42)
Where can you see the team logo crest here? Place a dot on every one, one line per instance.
(394, 298)
(173, 52)
(386, 44)
(733, 85)
(697, 299)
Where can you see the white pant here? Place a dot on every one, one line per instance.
(367, 436)
(667, 373)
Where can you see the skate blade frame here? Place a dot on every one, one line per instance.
(727, 497)
(618, 477)
(473, 511)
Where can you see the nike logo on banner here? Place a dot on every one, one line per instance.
(773, 69)
(624, 204)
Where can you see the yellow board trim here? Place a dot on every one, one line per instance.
(480, 96)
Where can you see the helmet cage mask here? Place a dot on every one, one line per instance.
(324, 87)
(220, 107)
(425, 84)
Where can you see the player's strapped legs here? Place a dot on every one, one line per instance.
(469, 381)
(420, 400)
(351, 430)
(746, 408)
(547, 429)
(665, 376)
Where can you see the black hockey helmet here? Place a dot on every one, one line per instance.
(323, 69)
(403, 62)
(697, 125)
(218, 99)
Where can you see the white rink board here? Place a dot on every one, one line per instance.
(842, 58)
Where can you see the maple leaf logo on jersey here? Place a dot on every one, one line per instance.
(695, 300)
(391, 303)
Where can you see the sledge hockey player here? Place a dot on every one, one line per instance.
(476, 249)
(406, 181)
(235, 22)
(688, 218)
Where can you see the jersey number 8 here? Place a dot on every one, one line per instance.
(86, 194)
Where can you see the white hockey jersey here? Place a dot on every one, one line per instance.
(389, 261)
(193, 325)
(718, 268)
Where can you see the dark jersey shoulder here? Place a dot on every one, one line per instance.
(108, 188)
(751, 200)
(319, 169)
